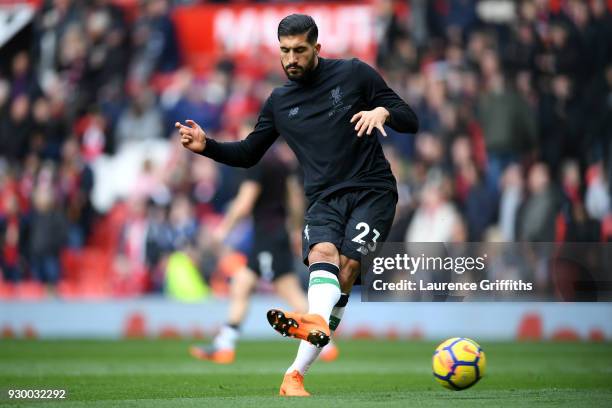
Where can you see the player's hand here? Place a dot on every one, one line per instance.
(368, 120)
(193, 136)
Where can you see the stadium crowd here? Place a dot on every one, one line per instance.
(515, 141)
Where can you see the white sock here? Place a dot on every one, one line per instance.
(323, 289)
(306, 355)
(323, 294)
(227, 337)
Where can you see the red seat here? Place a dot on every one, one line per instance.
(70, 261)
(106, 231)
(30, 290)
(86, 274)
(68, 289)
(96, 273)
(7, 290)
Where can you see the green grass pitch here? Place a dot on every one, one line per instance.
(159, 373)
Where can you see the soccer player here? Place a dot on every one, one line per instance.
(264, 193)
(329, 112)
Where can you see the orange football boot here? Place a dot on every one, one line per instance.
(219, 356)
(293, 385)
(309, 327)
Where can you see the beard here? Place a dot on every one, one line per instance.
(300, 73)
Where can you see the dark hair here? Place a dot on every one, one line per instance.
(296, 24)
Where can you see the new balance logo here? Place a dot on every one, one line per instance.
(362, 250)
(294, 111)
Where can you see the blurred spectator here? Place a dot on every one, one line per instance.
(479, 206)
(571, 183)
(183, 279)
(520, 53)
(71, 66)
(418, 22)
(510, 202)
(155, 46)
(430, 150)
(130, 272)
(107, 56)
(13, 239)
(435, 219)
(23, 80)
(141, 120)
(200, 102)
(47, 236)
(388, 30)
(560, 123)
(430, 107)
(597, 199)
(158, 243)
(76, 181)
(48, 132)
(402, 58)
(577, 225)
(91, 129)
(149, 184)
(597, 131)
(452, 19)
(561, 53)
(581, 227)
(5, 90)
(536, 218)
(597, 36)
(52, 23)
(509, 126)
(183, 223)
(15, 128)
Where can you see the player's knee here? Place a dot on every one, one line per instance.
(287, 284)
(324, 252)
(241, 292)
(243, 283)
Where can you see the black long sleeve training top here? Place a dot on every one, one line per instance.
(314, 118)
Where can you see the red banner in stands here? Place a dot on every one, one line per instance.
(249, 31)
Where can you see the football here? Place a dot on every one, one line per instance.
(458, 363)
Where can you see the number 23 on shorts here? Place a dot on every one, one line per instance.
(364, 230)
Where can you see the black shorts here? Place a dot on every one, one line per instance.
(354, 221)
(271, 256)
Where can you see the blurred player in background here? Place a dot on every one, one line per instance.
(323, 113)
(273, 196)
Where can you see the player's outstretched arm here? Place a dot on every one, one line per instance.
(192, 136)
(245, 153)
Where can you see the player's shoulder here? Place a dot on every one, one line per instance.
(276, 94)
(356, 61)
(282, 89)
(353, 66)
(360, 66)
(336, 64)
